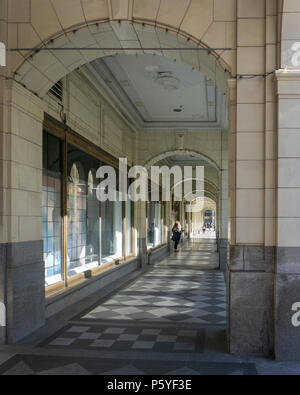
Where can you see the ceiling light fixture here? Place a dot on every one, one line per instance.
(167, 80)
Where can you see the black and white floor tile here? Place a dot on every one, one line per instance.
(129, 338)
(164, 295)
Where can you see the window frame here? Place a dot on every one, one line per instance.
(67, 137)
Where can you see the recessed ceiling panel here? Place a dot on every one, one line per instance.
(158, 89)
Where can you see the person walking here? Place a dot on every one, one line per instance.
(176, 235)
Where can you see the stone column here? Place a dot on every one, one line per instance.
(140, 225)
(224, 197)
(21, 246)
(251, 267)
(223, 235)
(287, 285)
(3, 71)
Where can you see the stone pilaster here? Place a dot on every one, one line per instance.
(251, 277)
(22, 286)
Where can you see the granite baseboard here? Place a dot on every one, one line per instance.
(252, 259)
(23, 288)
(263, 298)
(157, 254)
(251, 313)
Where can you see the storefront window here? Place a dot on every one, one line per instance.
(83, 213)
(52, 209)
(112, 229)
(94, 233)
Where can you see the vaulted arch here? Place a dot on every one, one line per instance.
(182, 152)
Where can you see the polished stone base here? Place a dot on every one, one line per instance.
(251, 301)
(251, 313)
(25, 288)
(143, 256)
(264, 301)
(252, 259)
(158, 254)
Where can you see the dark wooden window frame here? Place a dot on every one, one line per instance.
(69, 136)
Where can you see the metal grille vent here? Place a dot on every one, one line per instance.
(57, 91)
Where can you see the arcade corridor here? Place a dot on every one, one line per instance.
(125, 124)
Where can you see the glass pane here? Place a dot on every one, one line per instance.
(51, 206)
(154, 224)
(151, 224)
(128, 228)
(111, 230)
(92, 222)
(83, 213)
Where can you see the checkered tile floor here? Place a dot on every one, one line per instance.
(166, 295)
(164, 310)
(198, 254)
(134, 338)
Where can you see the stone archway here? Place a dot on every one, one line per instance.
(48, 25)
(168, 154)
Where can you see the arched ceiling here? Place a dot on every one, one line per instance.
(210, 173)
(183, 155)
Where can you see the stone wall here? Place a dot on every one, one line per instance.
(90, 114)
(22, 283)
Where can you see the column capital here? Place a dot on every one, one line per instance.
(287, 74)
(288, 83)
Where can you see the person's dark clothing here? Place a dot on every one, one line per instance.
(176, 237)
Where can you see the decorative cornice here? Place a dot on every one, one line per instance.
(287, 75)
